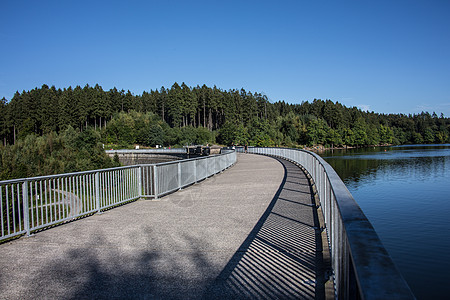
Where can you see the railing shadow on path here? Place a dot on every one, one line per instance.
(282, 257)
(87, 273)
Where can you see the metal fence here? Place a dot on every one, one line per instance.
(148, 151)
(30, 204)
(361, 265)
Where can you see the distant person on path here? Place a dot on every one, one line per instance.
(246, 148)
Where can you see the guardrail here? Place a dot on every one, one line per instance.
(361, 265)
(30, 204)
(149, 151)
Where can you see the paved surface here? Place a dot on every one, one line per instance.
(246, 233)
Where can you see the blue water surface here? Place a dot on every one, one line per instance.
(405, 193)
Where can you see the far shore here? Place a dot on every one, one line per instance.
(320, 148)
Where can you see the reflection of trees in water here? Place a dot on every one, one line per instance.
(405, 196)
(353, 169)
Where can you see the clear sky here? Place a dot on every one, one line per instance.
(386, 56)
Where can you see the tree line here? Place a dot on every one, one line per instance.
(181, 115)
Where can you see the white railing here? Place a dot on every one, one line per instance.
(361, 265)
(29, 204)
(149, 151)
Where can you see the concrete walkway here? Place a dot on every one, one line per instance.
(246, 233)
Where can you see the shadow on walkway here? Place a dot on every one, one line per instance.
(157, 250)
(282, 257)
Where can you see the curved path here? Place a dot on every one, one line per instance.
(250, 232)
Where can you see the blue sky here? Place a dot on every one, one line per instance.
(385, 56)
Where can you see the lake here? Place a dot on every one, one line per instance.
(405, 193)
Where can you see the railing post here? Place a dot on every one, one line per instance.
(26, 210)
(97, 191)
(179, 176)
(155, 183)
(195, 171)
(140, 182)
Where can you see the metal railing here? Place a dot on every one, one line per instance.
(149, 151)
(30, 204)
(361, 265)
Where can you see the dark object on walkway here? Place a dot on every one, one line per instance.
(199, 150)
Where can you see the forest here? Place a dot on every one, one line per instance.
(182, 115)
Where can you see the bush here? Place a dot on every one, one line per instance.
(69, 151)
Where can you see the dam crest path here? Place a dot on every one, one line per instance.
(252, 231)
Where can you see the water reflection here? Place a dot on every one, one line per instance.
(405, 193)
(358, 166)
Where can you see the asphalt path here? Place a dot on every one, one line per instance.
(249, 232)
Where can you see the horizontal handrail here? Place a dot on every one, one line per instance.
(148, 151)
(9, 181)
(29, 204)
(362, 267)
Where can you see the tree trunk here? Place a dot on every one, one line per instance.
(265, 109)
(210, 121)
(204, 113)
(215, 119)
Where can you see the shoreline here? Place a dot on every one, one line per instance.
(320, 148)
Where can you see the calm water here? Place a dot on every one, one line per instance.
(405, 193)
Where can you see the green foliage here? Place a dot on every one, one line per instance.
(183, 115)
(204, 136)
(53, 153)
(290, 127)
(417, 138)
(120, 130)
(233, 134)
(428, 136)
(360, 132)
(317, 132)
(260, 133)
(134, 128)
(386, 135)
(147, 129)
(348, 137)
(373, 135)
(334, 138)
(441, 137)
(155, 135)
(116, 159)
(188, 136)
